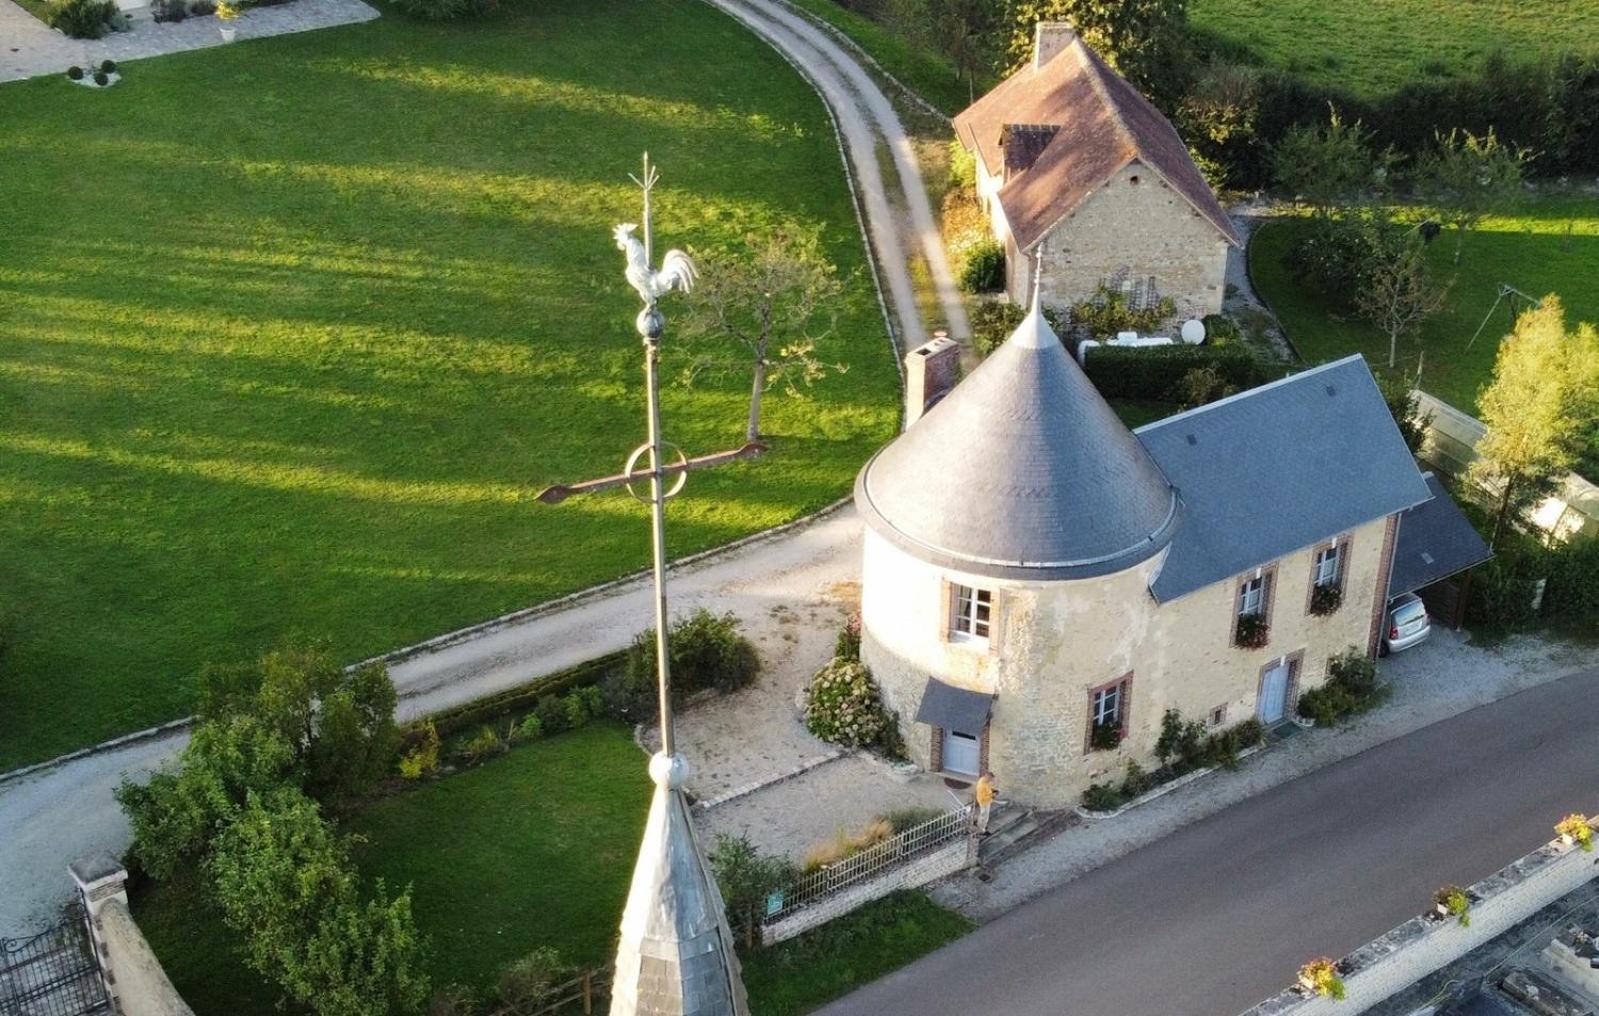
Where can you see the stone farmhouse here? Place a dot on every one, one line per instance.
(1075, 168)
(1034, 570)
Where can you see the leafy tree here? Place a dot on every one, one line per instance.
(964, 30)
(1326, 164)
(1218, 117)
(777, 299)
(178, 812)
(1141, 39)
(746, 877)
(339, 723)
(1467, 177)
(1543, 397)
(1399, 392)
(1399, 292)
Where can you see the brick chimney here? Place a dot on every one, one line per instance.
(930, 372)
(1049, 38)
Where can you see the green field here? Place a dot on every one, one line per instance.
(1549, 247)
(1374, 47)
(291, 331)
(532, 849)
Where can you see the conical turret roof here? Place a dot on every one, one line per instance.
(1022, 472)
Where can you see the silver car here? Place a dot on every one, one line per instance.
(1408, 623)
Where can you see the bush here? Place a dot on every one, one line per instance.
(962, 167)
(80, 19)
(992, 322)
(444, 10)
(706, 651)
(901, 819)
(842, 706)
(1105, 737)
(75, 72)
(1101, 797)
(1136, 781)
(169, 10)
(453, 1000)
(1337, 254)
(528, 983)
(1325, 600)
(1180, 745)
(419, 757)
(1108, 313)
(201, 8)
(1221, 330)
(848, 644)
(483, 745)
(1501, 591)
(531, 728)
(1572, 593)
(1252, 631)
(101, 79)
(1202, 386)
(109, 66)
(983, 270)
(747, 878)
(1351, 688)
(1157, 373)
(553, 715)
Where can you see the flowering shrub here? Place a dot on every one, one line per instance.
(848, 645)
(1577, 827)
(1320, 977)
(1325, 600)
(1252, 632)
(842, 706)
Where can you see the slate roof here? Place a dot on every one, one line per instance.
(1278, 468)
(1104, 124)
(961, 709)
(1435, 541)
(1022, 471)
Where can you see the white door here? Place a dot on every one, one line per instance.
(1274, 694)
(960, 753)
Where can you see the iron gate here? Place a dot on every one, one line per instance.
(53, 973)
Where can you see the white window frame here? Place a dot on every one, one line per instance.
(1252, 597)
(1106, 706)
(971, 613)
(1329, 565)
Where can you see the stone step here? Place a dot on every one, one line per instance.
(1014, 836)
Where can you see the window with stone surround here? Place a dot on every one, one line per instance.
(1329, 565)
(1251, 622)
(971, 613)
(1108, 708)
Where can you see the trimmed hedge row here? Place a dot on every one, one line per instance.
(1157, 372)
(524, 697)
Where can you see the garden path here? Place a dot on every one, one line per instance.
(32, 49)
(1242, 302)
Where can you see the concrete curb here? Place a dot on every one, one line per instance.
(116, 743)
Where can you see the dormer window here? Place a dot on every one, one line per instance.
(971, 613)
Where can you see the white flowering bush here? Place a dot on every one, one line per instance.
(842, 706)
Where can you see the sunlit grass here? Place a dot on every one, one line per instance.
(1550, 247)
(291, 331)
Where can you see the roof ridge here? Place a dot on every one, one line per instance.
(1247, 392)
(1090, 60)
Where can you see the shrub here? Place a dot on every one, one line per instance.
(706, 651)
(962, 167)
(1202, 386)
(420, 758)
(842, 706)
(848, 644)
(1101, 797)
(483, 745)
(453, 1000)
(983, 270)
(444, 10)
(844, 845)
(1156, 373)
(1108, 312)
(1576, 826)
(1325, 600)
(1320, 977)
(577, 713)
(592, 699)
(200, 8)
(1351, 688)
(1454, 902)
(529, 982)
(553, 715)
(75, 72)
(169, 10)
(109, 66)
(747, 878)
(1105, 737)
(80, 19)
(531, 728)
(1221, 330)
(1135, 782)
(1572, 593)
(1179, 742)
(101, 79)
(1252, 631)
(1502, 589)
(992, 322)
(901, 819)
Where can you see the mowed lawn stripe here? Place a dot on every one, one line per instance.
(291, 331)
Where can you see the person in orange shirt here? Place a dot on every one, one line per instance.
(984, 795)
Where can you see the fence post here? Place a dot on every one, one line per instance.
(588, 992)
(100, 878)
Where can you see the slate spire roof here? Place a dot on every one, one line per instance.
(1101, 123)
(1022, 471)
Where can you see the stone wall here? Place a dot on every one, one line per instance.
(1054, 642)
(1420, 946)
(957, 855)
(132, 974)
(1137, 224)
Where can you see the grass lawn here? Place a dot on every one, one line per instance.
(535, 848)
(1549, 247)
(292, 331)
(1375, 47)
(928, 74)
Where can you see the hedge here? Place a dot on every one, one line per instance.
(1573, 590)
(1156, 372)
(524, 697)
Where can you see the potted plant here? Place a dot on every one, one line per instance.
(1252, 631)
(1105, 737)
(228, 13)
(1574, 829)
(1320, 977)
(1452, 901)
(1325, 600)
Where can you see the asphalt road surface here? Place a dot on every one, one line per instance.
(1220, 914)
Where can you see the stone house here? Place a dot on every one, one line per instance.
(1032, 568)
(1077, 169)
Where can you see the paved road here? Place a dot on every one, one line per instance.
(1219, 915)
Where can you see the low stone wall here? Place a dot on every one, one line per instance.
(1421, 945)
(1452, 438)
(957, 855)
(132, 974)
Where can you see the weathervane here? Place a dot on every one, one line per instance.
(675, 955)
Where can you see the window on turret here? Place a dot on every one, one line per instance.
(971, 613)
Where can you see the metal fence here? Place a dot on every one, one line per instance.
(898, 849)
(53, 973)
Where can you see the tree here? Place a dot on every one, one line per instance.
(1543, 396)
(1141, 39)
(1399, 293)
(1329, 163)
(1219, 117)
(1467, 177)
(963, 30)
(746, 878)
(1399, 392)
(777, 299)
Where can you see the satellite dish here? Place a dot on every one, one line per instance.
(1193, 331)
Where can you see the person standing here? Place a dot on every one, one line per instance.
(983, 794)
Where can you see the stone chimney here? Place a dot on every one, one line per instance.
(930, 372)
(1049, 38)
